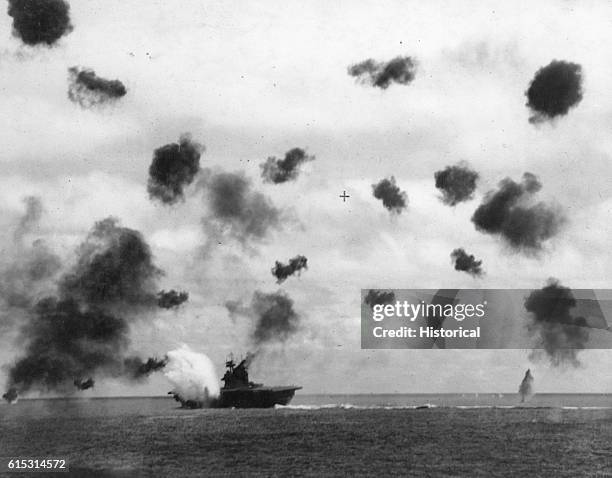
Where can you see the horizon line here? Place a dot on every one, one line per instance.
(73, 397)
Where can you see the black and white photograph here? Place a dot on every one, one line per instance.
(306, 238)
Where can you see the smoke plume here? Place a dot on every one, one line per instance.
(87, 89)
(38, 22)
(250, 358)
(236, 210)
(273, 315)
(392, 197)
(277, 171)
(174, 167)
(510, 212)
(66, 340)
(115, 267)
(560, 334)
(466, 262)
(457, 184)
(400, 70)
(379, 297)
(192, 376)
(28, 268)
(555, 89)
(526, 387)
(276, 319)
(282, 271)
(83, 331)
(11, 395)
(171, 299)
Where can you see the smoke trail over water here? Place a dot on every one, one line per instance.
(526, 387)
(82, 331)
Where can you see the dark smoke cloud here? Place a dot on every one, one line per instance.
(174, 167)
(136, 369)
(38, 22)
(555, 89)
(392, 197)
(457, 184)
(88, 89)
(115, 266)
(274, 318)
(466, 262)
(400, 70)
(236, 210)
(379, 297)
(171, 299)
(282, 271)
(277, 171)
(510, 213)
(66, 340)
(83, 331)
(11, 395)
(133, 368)
(559, 333)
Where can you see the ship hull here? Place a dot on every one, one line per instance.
(264, 397)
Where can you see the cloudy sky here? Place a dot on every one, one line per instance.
(253, 80)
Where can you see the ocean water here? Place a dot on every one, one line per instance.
(319, 435)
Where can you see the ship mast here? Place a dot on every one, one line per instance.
(229, 362)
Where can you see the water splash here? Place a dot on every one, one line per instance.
(192, 375)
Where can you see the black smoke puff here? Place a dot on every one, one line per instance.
(173, 168)
(555, 89)
(390, 194)
(400, 70)
(38, 22)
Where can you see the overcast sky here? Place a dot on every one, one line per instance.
(255, 79)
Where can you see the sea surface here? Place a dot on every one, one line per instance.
(472, 435)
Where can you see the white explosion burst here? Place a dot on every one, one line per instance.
(192, 375)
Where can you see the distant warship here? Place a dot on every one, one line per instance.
(239, 392)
